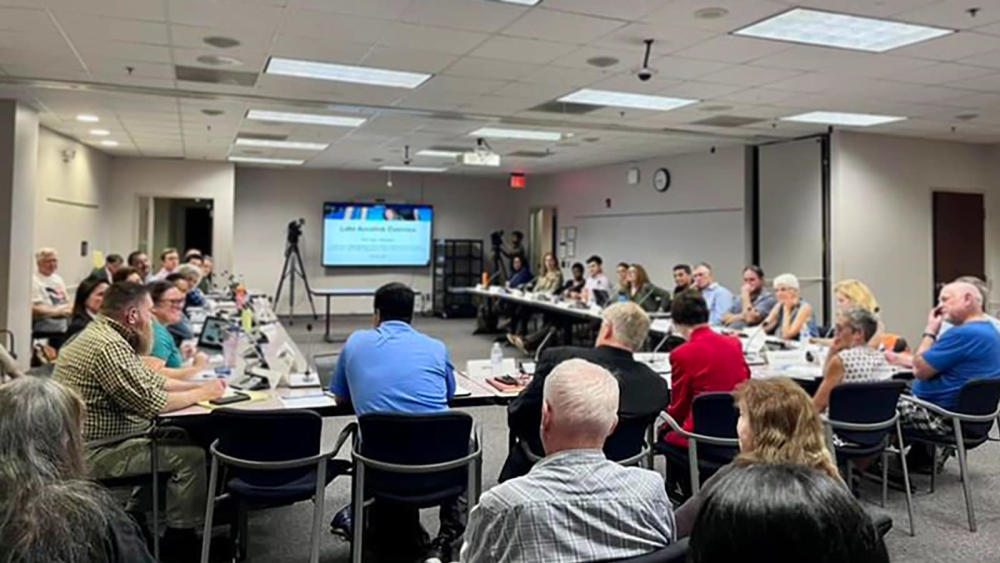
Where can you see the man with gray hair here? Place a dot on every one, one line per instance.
(50, 305)
(574, 505)
(970, 350)
(644, 393)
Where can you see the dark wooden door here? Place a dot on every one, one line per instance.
(959, 240)
(198, 229)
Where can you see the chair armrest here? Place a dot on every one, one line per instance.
(950, 414)
(112, 440)
(714, 440)
(428, 468)
(864, 427)
(269, 465)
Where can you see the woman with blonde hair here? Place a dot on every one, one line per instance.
(778, 424)
(851, 294)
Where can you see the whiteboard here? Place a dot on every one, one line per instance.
(659, 240)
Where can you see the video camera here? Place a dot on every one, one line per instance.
(496, 239)
(295, 230)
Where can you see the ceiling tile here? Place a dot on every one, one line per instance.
(731, 49)
(988, 83)
(314, 49)
(476, 67)
(989, 59)
(398, 58)
(561, 26)
(740, 13)
(699, 90)
(462, 14)
(630, 10)
(521, 50)
(385, 9)
(427, 38)
(226, 14)
(667, 38)
(678, 67)
(82, 27)
(749, 75)
(938, 73)
(94, 51)
(952, 47)
(341, 28)
(949, 13)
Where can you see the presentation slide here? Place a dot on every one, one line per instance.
(377, 234)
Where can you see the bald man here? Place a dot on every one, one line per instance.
(970, 350)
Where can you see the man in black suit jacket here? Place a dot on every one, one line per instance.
(643, 392)
(111, 265)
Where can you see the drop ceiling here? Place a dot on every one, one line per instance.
(493, 64)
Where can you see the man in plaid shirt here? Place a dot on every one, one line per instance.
(124, 396)
(574, 505)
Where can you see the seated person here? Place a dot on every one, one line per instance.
(51, 509)
(123, 396)
(707, 362)
(969, 351)
(791, 315)
(521, 274)
(853, 293)
(169, 260)
(180, 330)
(192, 274)
(8, 366)
(193, 256)
(207, 266)
(643, 292)
(851, 359)
(50, 306)
(86, 306)
(682, 278)
(984, 290)
(548, 283)
(574, 505)
(111, 265)
(129, 274)
(619, 291)
(596, 281)
(718, 298)
(790, 513)
(754, 303)
(643, 392)
(551, 324)
(778, 425)
(168, 305)
(395, 368)
(139, 260)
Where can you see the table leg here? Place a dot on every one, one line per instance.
(326, 335)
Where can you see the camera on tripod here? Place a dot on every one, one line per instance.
(496, 239)
(295, 230)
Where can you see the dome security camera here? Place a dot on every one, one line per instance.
(644, 74)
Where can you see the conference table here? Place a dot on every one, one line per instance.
(328, 293)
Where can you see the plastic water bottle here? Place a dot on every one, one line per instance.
(804, 337)
(496, 360)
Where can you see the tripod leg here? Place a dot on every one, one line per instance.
(281, 280)
(305, 280)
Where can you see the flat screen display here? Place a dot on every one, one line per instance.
(377, 234)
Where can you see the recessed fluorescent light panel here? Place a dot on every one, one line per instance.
(306, 118)
(520, 2)
(438, 153)
(625, 100)
(100, 132)
(838, 118)
(526, 134)
(87, 118)
(844, 31)
(394, 168)
(345, 73)
(255, 160)
(109, 143)
(274, 144)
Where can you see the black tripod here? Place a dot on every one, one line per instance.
(293, 267)
(499, 266)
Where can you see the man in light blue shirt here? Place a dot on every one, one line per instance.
(393, 368)
(718, 298)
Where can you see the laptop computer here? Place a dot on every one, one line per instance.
(212, 333)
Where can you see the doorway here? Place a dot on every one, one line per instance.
(181, 223)
(959, 237)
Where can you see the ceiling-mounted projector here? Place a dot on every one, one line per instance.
(483, 155)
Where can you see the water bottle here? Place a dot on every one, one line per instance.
(496, 360)
(804, 337)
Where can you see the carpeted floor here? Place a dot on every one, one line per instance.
(282, 535)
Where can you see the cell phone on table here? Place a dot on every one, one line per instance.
(508, 380)
(236, 397)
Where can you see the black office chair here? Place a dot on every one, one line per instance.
(676, 552)
(270, 458)
(714, 429)
(419, 460)
(978, 408)
(627, 445)
(864, 417)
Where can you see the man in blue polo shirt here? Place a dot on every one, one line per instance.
(970, 350)
(718, 298)
(394, 368)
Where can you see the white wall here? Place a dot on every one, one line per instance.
(71, 202)
(881, 215)
(701, 216)
(135, 177)
(267, 199)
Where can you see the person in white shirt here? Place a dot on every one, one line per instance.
(170, 260)
(50, 305)
(596, 280)
(718, 298)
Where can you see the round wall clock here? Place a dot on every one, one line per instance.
(661, 180)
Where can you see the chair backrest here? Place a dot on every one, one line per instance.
(676, 552)
(979, 396)
(865, 402)
(415, 439)
(628, 438)
(268, 435)
(715, 415)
